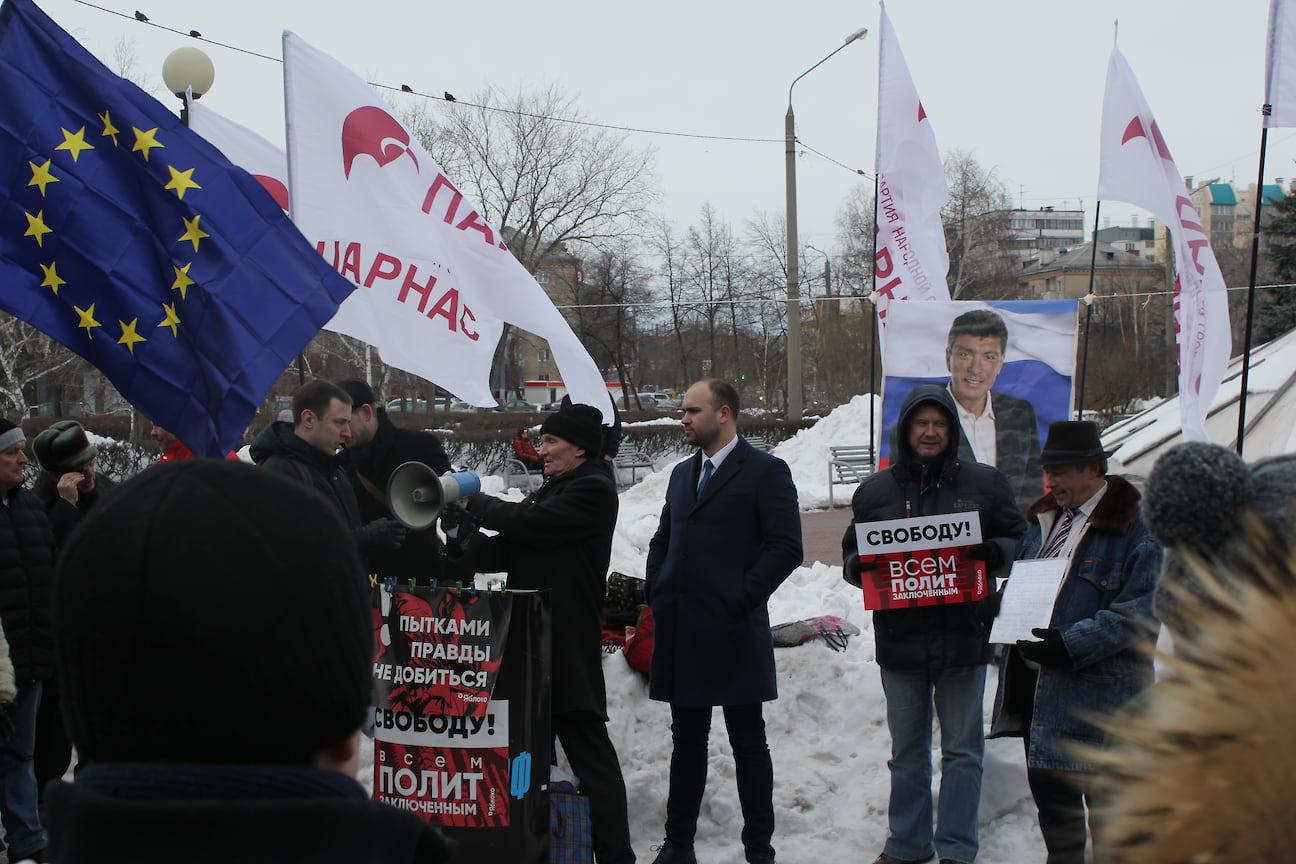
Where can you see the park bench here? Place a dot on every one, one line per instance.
(531, 477)
(848, 465)
(631, 460)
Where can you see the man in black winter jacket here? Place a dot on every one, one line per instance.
(934, 655)
(307, 450)
(27, 550)
(376, 448)
(560, 537)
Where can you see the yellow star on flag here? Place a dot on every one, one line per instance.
(110, 131)
(129, 337)
(74, 143)
(37, 228)
(52, 280)
(180, 181)
(87, 320)
(41, 176)
(182, 280)
(171, 320)
(192, 232)
(145, 141)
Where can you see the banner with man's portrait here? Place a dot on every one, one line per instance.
(1009, 365)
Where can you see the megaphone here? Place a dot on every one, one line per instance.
(417, 495)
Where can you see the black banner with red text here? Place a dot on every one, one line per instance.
(461, 716)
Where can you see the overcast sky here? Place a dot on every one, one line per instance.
(1017, 83)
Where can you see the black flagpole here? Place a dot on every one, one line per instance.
(1093, 265)
(1266, 110)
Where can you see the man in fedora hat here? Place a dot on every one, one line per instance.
(1088, 661)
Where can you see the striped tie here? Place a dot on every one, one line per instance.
(1060, 535)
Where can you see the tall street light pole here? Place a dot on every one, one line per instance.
(793, 275)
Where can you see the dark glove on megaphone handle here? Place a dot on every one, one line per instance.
(457, 522)
(385, 534)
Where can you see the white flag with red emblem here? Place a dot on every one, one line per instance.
(436, 281)
(1135, 166)
(1280, 65)
(911, 261)
(245, 148)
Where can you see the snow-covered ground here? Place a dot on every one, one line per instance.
(827, 730)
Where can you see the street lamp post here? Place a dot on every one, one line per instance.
(187, 69)
(793, 275)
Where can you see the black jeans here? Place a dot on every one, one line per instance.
(753, 768)
(1061, 797)
(593, 760)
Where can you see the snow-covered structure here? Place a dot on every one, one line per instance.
(1270, 414)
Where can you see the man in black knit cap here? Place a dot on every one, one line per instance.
(560, 537)
(214, 642)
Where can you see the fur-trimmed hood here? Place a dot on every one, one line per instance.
(1115, 512)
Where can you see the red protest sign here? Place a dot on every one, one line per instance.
(921, 561)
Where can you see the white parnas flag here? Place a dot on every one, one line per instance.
(436, 282)
(1280, 65)
(1136, 167)
(911, 261)
(245, 148)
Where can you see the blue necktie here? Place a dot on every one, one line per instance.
(707, 470)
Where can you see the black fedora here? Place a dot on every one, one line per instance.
(1073, 441)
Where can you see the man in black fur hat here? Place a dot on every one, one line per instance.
(1088, 661)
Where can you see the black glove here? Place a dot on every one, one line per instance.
(854, 570)
(384, 535)
(990, 553)
(1049, 651)
(987, 608)
(457, 523)
(6, 725)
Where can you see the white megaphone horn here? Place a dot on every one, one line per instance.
(416, 495)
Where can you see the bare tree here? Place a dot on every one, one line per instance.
(554, 182)
(27, 356)
(976, 225)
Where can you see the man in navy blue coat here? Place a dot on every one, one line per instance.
(730, 533)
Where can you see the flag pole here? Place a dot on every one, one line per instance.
(1088, 301)
(1266, 110)
(876, 329)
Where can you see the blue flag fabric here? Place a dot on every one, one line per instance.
(135, 243)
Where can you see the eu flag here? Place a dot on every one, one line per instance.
(135, 243)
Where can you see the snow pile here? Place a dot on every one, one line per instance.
(807, 452)
(827, 731)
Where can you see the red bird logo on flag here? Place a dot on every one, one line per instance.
(373, 132)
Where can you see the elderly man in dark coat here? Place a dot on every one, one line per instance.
(560, 537)
(729, 535)
(27, 550)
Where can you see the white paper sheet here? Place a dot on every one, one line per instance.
(1028, 598)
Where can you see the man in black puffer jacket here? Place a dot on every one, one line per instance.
(27, 550)
(934, 655)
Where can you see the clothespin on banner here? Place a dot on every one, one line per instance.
(373, 581)
(390, 584)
